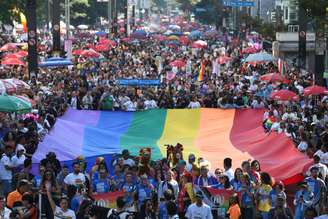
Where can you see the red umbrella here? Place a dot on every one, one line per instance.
(107, 42)
(13, 61)
(224, 59)
(315, 90)
(8, 47)
(272, 77)
(184, 40)
(178, 63)
(90, 53)
(284, 95)
(77, 52)
(22, 53)
(249, 50)
(12, 56)
(102, 48)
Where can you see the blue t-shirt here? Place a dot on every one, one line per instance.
(101, 185)
(76, 201)
(119, 180)
(163, 211)
(143, 193)
(128, 189)
(236, 185)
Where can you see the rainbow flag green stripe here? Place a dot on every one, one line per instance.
(213, 134)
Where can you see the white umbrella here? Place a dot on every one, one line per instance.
(260, 57)
(83, 27)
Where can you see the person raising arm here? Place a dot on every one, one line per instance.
(61, 212)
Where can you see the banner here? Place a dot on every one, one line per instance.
(217, 199)
(32, 38)
(107, 200)
(56, 25)
(139, 82)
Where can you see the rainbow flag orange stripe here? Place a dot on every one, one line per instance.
(201, 72)
(213, 134)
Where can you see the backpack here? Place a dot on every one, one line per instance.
(113, 214)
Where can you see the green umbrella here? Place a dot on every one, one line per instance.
(12, 104)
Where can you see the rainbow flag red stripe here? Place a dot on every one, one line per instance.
(201, 72)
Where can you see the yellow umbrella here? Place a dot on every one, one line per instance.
(173, 37)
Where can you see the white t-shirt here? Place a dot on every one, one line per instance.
(17, 161)
(73, 179)
(195, 212)
(230, 174)
(129, 162)
(59, 213)
(4, 173)
(194, 105)
(323, 156)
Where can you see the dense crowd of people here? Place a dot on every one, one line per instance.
(161, 189)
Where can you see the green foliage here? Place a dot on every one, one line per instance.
(213, 13)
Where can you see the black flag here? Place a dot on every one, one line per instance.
(32, 38)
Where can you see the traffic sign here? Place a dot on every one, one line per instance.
(234, 3)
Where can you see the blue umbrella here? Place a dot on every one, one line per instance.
(177, 33)
(195, 34)
(55, 62)
(101, 33)
(260, 57)
(139, 34)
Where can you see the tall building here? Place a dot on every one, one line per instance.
(263, 9)
(289, 11)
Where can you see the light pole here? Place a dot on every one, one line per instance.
(109, 15)
(68, 17)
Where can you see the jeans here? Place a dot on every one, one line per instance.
(5, 187)
(247, 213)
(265, 215)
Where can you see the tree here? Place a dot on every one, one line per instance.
(316, 11)
(212, 12)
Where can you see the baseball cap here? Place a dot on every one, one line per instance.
(199, 194)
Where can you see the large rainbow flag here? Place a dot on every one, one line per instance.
(210, 133)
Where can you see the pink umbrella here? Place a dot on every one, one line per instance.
(315, 90)
(90, 53)
(8, 87)
(199, 44)
(284, 95)
(178, 63)
(8, 47)
(170, 76)
(18, 84)
(13, 61)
